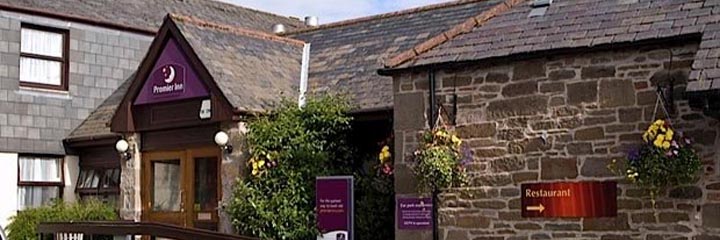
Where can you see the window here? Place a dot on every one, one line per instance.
(39, 180)
(43, 57)
(99, 183)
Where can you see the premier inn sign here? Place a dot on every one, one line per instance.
(171, 79)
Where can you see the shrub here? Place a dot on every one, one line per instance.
(288, 148)
(24, 224)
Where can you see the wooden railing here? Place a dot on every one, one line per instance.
(128, 228)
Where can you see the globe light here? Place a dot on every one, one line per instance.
(221, 138)
(122, 146)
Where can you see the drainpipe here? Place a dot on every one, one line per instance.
(304, 74)
(433, 101)
(432, 118)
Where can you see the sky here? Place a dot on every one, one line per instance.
(331, 10)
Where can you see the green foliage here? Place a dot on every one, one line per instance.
(375, 205)
(24, 224)
(289, 148)
(664, 160)
(439, 161)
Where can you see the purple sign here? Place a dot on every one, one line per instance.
(171, 79)
(334, 206)
(414, 213)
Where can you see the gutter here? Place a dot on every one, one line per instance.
(304, 69)
(73, 18)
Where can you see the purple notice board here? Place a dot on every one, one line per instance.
(414, 213)
(172, 78)
(334, 206)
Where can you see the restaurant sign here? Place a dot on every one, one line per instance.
(171, 79)
(334, 206)
(569, 199)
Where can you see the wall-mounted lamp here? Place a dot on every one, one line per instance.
(123, 147)
(221, 139)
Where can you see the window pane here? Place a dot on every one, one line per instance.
(41, 42)
(166, 185)
(111, 178)
(40, 169)
(35, 196)
(205, 184)
(40, 71)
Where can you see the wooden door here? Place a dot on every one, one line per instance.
(163, 187)
(204, 188)
(182, 187)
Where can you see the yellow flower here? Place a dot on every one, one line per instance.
(658, 142)
(666, 145)
(384, 155)
(660, 137)
(457, 141)
(659, 122)
(669, 134)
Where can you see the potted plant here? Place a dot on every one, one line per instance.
(665, 159)
(439, 161)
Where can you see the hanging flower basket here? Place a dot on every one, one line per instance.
(440, 160)
(665, 159)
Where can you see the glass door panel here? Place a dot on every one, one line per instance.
(166, 186)
(163, 187)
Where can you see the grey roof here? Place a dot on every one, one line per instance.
(253, 70)
(98, 122)
(149, 14)
(588, 23)
(345, 56)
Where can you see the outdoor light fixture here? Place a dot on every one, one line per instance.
(123, 147)
(221, 139)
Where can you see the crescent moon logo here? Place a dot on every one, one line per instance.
(169, 72)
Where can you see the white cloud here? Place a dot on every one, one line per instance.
(331, 10)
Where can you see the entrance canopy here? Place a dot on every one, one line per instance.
(191, 61)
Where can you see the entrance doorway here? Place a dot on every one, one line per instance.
(181, 187)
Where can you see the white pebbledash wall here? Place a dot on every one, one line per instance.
(8, 187)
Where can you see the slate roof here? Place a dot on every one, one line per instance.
(97, 124)
(254, 70)
(149, 14)
(586, 23)
(345, 56)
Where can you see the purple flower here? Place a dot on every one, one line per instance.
(634, 155)
(467, 155)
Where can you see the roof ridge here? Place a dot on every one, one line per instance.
(232, 29)
(299, 22)
(457, 30)
(383, 16)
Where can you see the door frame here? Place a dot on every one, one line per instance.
(187, 168)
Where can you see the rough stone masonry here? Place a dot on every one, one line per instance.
(592, 106)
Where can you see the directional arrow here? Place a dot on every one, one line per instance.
(540, 208)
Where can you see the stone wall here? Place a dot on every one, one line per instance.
(36, 121)
(592, 107)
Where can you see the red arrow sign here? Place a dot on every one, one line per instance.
(569, 199)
